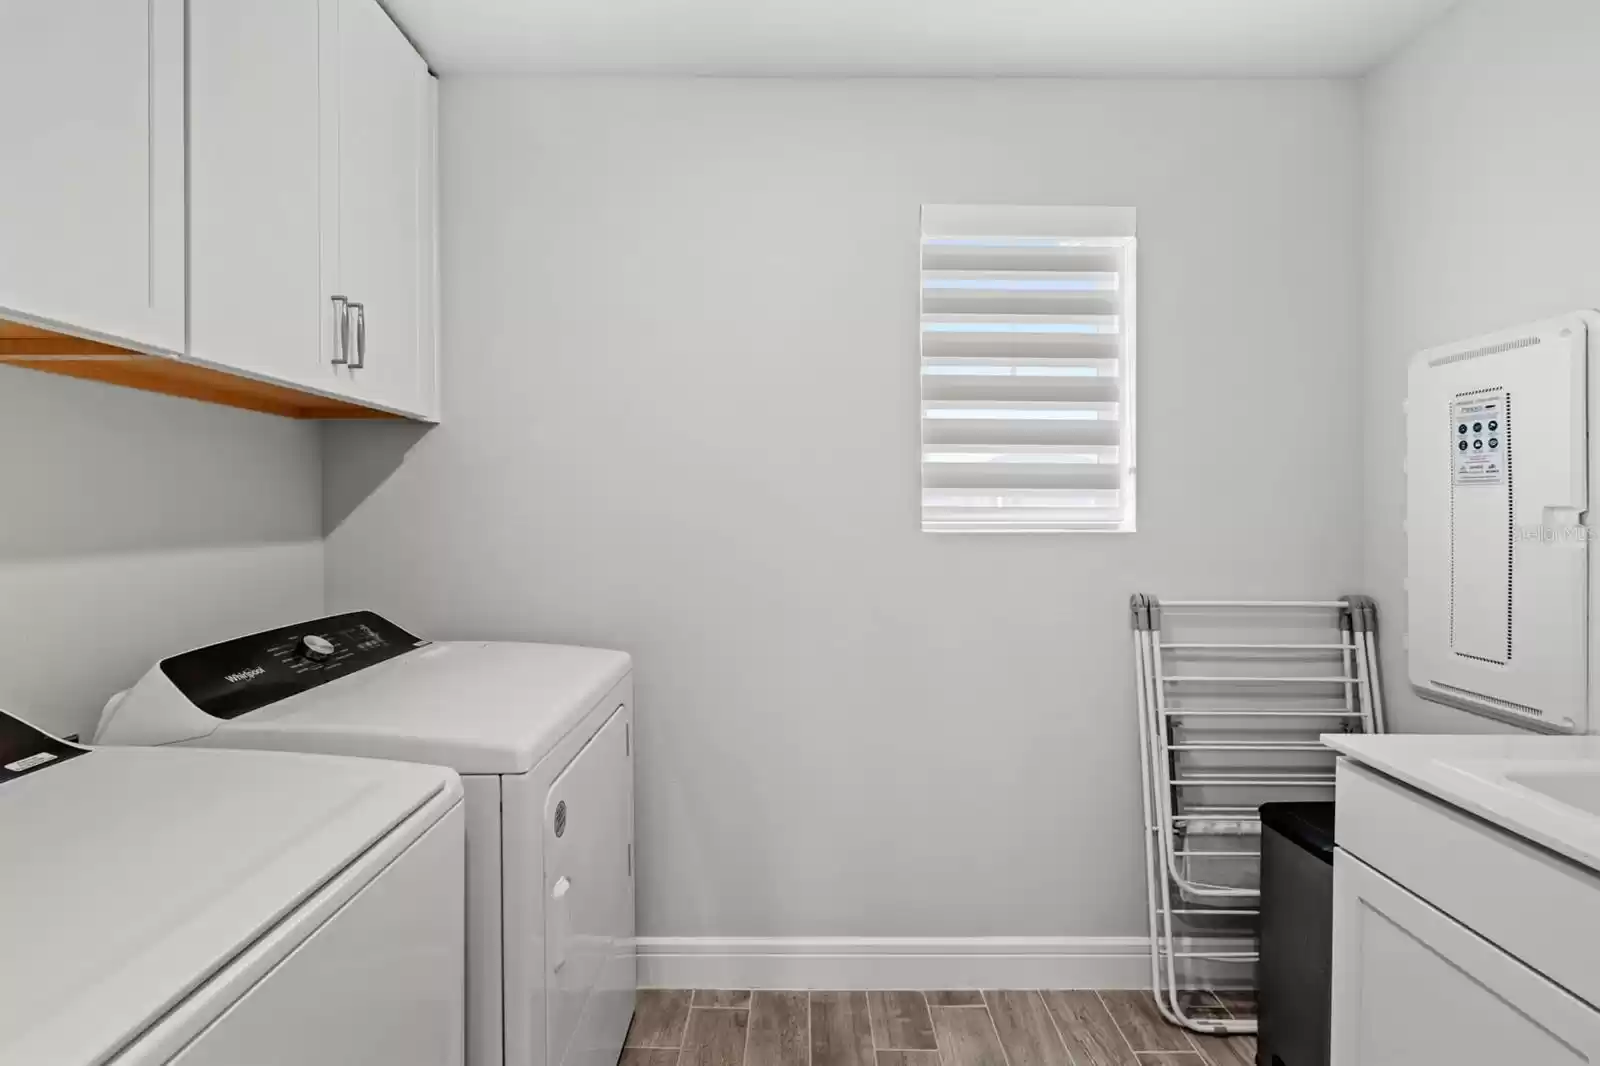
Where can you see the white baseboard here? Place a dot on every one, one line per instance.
(894, 962)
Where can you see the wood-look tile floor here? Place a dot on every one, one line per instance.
(741, 1028)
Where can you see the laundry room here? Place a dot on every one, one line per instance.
(799, 534)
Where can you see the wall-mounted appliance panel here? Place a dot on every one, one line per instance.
(1498, 474)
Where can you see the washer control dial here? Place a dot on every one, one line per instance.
(316, 648)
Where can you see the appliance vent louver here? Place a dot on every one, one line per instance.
(1490, 349)
(1511, 537)
(1517, 709)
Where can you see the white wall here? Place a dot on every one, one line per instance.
(135, 526)
(1482, 198)
(681, 419)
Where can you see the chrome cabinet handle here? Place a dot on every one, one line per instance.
(361, 336)
(341, 331)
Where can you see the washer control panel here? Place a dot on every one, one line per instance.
(26, 750)
(239, 676)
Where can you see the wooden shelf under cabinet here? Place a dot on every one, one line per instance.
(74, 357)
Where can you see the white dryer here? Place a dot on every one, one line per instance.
(542, 737)
(226, 908)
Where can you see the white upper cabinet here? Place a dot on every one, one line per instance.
(92, 187)
(311, 175)
(385, 114)
(256, 159)
(308, 175)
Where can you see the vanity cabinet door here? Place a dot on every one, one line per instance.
(1412, 985)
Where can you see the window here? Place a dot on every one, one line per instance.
(1027, 369)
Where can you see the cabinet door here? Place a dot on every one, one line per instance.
(255, 188)
(1412, 985)
(384, 114)
(92, 188)
(589, 915)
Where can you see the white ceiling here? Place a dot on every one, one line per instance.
(1166, 38)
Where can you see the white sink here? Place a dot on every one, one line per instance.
(1575, 788)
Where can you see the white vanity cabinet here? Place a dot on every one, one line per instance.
(1413, 985)
(1455, 941)
(91, 187)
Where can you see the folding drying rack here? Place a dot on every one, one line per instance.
(1233, 695)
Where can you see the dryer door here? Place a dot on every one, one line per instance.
(589, 921)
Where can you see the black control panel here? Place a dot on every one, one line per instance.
(26, 750)
(239, 676)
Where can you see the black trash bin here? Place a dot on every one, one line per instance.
(1296, 971)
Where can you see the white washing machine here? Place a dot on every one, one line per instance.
(542, 736)
(226, 908)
